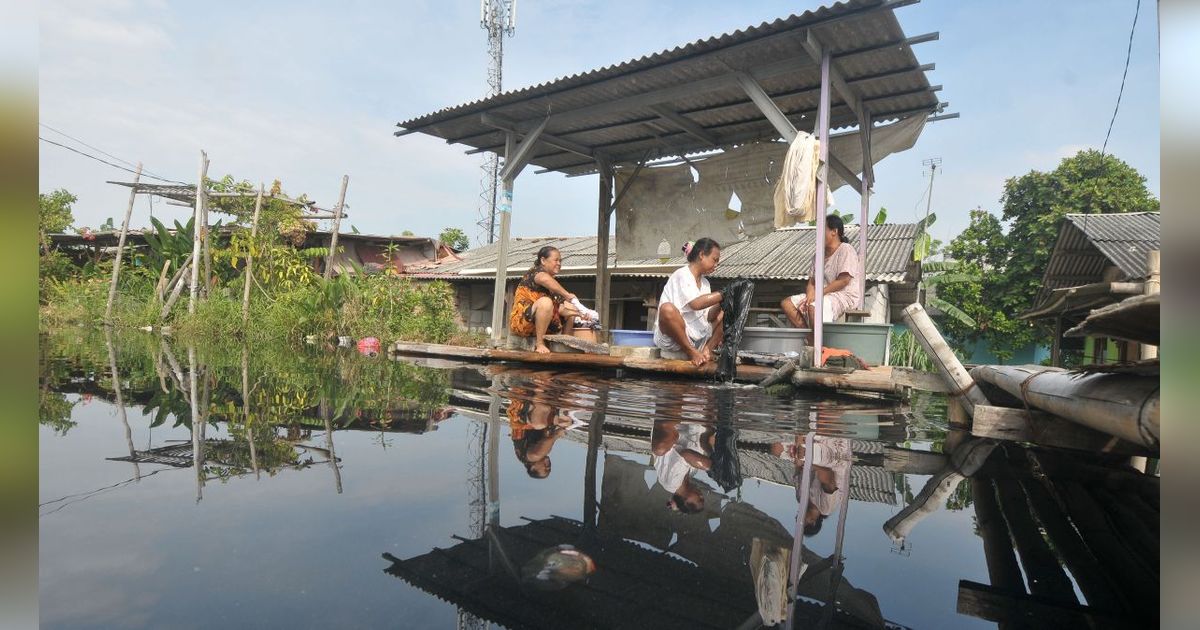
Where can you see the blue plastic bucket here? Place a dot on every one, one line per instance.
(632, 337)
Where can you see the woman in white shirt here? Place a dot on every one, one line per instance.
(688, 325)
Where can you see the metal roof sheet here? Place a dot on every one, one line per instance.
(784, 254)
(594, 109)
(1088, 243)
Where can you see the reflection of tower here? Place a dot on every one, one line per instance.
(476, 501)
(498, 18)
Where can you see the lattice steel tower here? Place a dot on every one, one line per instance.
(498, 18)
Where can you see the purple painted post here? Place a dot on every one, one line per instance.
(864, 218)
(822, 191)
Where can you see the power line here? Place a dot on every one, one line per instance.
(103, 152)
(103, 161)
(1128, 55)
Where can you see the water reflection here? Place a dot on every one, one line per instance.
(700, 505)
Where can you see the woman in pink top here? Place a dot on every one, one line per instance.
(842, 290)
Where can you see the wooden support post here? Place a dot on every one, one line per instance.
(864, 214)
(956, 376)
(112, 287)
(818, 269)
(1153, 282)
(1056, 343)
(505, 211)
(1042, 569)
(1099, 590)
(337, 224)
(248, 277)
(603, 279)
(198, 217)
(997, 546)
(187, 269)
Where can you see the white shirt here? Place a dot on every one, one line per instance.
(672, 469)
(680, 290)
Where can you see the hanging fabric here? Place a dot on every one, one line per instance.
(795, 194)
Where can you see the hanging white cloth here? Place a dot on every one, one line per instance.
(795, 195)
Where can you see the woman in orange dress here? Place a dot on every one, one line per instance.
(541, 305)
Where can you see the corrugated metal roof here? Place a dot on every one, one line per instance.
(1088, 243)
(784, 254)
(868, 46)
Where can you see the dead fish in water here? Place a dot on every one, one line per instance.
(557, 567)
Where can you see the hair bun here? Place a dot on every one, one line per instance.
(687, 247)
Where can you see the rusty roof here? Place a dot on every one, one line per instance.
(784, 254)
(617, 112)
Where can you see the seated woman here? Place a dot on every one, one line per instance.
(686, 317)
(541, 305)
(842, 291)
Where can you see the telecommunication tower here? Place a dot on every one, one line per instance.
(498, 18)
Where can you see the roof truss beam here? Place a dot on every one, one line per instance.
(524, 152)
(504, 124)
(851, 98)
(685, 123)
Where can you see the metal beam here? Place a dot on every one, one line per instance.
(816, 51)
(766, 106)
(846, 173)
(524, 152)
(506, 124)
(685, 123)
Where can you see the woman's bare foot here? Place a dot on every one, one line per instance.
(708, 354)
(542, 349)
(698, 358)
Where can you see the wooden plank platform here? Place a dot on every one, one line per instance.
(745, 373)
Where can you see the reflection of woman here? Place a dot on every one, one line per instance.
(831, 460)
(841, 289)
(535, 427)
(680, 448)
(541, 304)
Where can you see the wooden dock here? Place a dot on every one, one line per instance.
(880, 380)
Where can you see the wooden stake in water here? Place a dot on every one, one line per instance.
(112, 288)
(249, 279)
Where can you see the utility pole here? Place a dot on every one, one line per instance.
(932, 164)
(498, 18)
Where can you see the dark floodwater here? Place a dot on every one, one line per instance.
(267, 488)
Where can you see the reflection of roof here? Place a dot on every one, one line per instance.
(632, 586)
(784, 254)
(618, 111)
(1088, 243)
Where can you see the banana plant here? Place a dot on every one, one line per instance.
(935, 273)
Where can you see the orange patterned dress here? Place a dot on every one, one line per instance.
(520, 320)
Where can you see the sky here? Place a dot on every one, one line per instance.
(306, 92)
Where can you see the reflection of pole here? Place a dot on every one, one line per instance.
(116, 385)
(805, 482)
(326, 412)
(194, 402)
(493, 457)
(246, 406)
(595, 437)
(835, 580)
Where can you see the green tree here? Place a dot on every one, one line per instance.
(54, 215)
(1010, 264)
(455, 239)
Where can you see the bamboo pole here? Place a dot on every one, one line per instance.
(198, 217)
(337, 223)
(956, 376)
(177, 291)
(162, 282)
(1124, 405)
(112, 287)
(249, 275)
(206, 246)
(964, 462)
